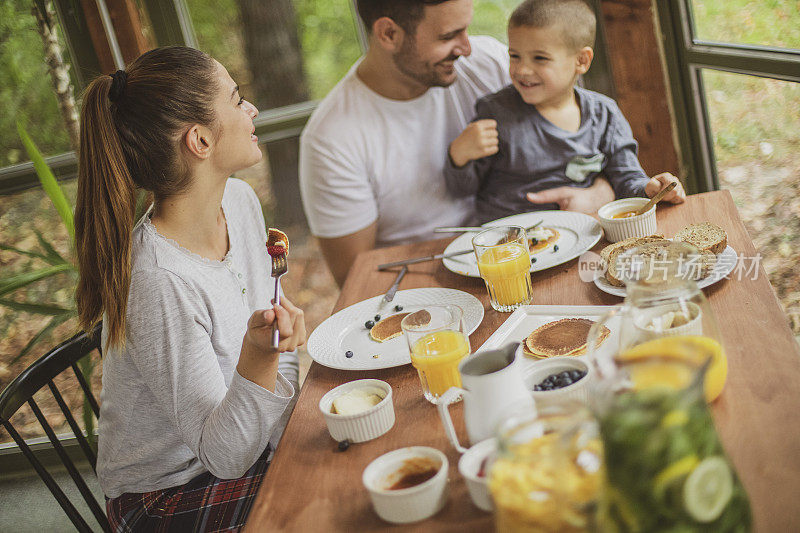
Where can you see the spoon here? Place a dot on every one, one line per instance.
(659, 195)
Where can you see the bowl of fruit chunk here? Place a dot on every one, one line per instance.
(559, 378)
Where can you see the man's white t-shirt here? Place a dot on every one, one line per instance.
(364, 157)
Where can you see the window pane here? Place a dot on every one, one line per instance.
(26, 88)
(325, 31)
(491, 18)
(758, 22)
(757, 146)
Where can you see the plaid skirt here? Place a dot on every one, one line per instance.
(206, 503)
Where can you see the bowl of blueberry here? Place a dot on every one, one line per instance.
(560, 378)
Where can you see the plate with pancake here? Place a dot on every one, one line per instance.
(382, 346)
(560, 237)
(547, 331)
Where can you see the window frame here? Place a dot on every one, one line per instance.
(172, 25)
(686, 57)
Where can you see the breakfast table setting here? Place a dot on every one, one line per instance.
(385, 436)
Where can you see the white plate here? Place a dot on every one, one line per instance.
(726, 262)
(527, 318)
(577, 233)
(345, 330)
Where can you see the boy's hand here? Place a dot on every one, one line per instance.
(658, 182)
(479, 139)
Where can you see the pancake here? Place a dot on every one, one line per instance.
(277, 242)
(537, 245)
(389, 327)
(561, 337)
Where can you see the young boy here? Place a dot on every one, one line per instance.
(543, 132)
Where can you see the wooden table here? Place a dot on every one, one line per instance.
(310, 486)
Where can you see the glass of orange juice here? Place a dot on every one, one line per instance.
(504, 262)
(437, 342)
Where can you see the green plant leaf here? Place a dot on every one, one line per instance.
(37, 255)
(54, 322)
(39, 309)
(48, 181)
(13, 283)
(52, 254)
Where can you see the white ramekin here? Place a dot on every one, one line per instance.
(415, 503)
(580, 390)
(693, 327)
(470, 464)
(363, 426)
(617, 229)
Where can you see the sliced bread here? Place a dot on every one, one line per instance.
(651, 244)
(705, 236)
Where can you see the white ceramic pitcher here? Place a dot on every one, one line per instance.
(493, 388)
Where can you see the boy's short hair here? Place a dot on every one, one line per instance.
(574, 18)
(405, 13)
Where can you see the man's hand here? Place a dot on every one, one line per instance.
(656, 183)
(575, 199)
(479, 139)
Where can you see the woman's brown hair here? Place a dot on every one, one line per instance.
(132, 125)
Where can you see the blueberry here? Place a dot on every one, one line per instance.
(537, 388)
(533, 260)
(575, 375)
(565, 374)
(398, 308)
(348, 354)
(369, 324)
(555, 247)
(377, 318)
(566, 381)
(343, 445)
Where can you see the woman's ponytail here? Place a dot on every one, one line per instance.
(104, 215)
(131, 126)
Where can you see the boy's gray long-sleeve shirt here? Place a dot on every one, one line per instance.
(535, 154)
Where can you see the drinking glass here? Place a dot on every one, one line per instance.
(437, 342)
(665, 466)
(548, 475)
(504, 262)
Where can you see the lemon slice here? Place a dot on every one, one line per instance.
(677, 470)
(708, 489)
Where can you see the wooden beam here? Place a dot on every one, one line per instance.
(639, 74)
(127, 26)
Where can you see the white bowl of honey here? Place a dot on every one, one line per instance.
(620, 222)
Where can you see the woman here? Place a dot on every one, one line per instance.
(191, 385)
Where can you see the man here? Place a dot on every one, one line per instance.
(373, 153)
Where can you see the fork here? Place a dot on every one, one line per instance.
(279, 267)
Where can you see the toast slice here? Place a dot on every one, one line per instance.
(605, 253)
(650, 245)
(705, 236)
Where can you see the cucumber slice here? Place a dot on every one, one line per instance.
(708, 489)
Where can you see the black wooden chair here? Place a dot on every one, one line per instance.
(20, 391)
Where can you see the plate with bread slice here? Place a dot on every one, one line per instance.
(554, 237)
(717, 258)
(367, 335)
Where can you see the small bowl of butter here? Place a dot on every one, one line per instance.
(359, 410)
(670, 321)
